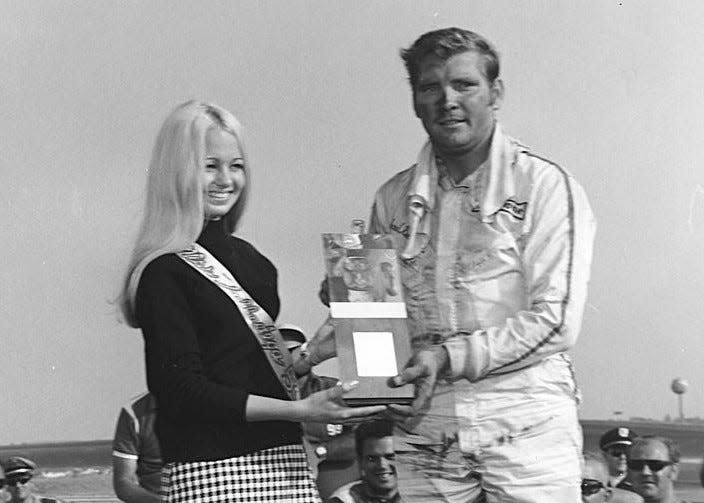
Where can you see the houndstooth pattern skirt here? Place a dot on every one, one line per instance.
(278, 474)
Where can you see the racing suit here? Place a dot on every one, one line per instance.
(499, 279)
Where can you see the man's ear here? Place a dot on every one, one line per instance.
(674, 471)
(497, 93)
(415, 104)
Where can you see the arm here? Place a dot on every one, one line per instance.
(557, 258)
(176, 376)
(175, 372)
(125, 483)
(125, 453)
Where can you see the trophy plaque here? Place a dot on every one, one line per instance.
(367, 306)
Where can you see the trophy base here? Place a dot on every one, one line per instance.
(362, 402)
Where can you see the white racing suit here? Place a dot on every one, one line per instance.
(500, 279)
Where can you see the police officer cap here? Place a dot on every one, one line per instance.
(17, 466)
(617, 436)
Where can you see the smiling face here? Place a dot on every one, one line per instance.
(651, 470)
(456, 103)
(223, 175)
(377, 465)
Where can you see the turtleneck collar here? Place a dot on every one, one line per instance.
(213, 234)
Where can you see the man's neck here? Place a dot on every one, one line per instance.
(386, 495)
(460, 165)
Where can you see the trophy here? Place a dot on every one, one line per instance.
(367, 306)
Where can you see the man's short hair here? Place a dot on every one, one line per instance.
(445, 43)
(672, 449)
(378, 428)
(598, 460)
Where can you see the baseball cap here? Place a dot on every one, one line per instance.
(293, 335)
(19, 467)
(617, 436)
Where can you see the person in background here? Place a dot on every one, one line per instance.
(136, 458)
(330, 446)
(615, 444)
(229, 407)
(19, 472)
(378, 483)
(653, 467)
(595, 476)
(496, 248)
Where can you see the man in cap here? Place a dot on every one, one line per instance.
(595, 488)
(330, 447)
(653, 467)
(18, 473)
(496, 247)
(616, 444)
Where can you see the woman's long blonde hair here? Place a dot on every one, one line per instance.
(174, 213)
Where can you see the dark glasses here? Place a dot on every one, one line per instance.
(617, 453)
(655, 465)
(22, 479)
(591, 486)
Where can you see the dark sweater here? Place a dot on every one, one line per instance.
(203, 360)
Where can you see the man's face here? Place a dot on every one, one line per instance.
(650, 470)
(594, 482)
(455, 102)
(616, 458)
(377, 465)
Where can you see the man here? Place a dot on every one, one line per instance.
(496, 245)
(136, 457)
(374, 443)
(595, 476)
(653, 468)
(615, 444)
(595, 488)
(18, 474)
(330, 447)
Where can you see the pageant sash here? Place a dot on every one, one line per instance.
(257, 319)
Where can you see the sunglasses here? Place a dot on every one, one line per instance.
(655, 465)
(591, 486)
(617, 453)
(22, 479)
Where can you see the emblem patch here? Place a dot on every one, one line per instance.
(515, 209)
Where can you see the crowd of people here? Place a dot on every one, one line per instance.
(495, 246)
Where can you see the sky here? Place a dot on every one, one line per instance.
(610, 90)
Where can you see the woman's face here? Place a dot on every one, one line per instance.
(223, 173)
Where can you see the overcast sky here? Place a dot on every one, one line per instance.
(610, 90)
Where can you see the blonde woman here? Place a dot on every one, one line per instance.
(205, 300)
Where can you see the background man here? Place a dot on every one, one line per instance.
(496, 244)
(595, 476)
(136, 457)
(18, 474)
(330, 447)
(616, 444)
(378, 483)
(653, 468)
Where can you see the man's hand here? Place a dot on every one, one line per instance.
(422, 370)
(322, 346)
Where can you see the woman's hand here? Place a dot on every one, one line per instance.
(327, 407)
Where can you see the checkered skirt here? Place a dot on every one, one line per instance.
(278, 474)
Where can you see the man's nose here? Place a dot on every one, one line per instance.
(448, 96)
(646, 470)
